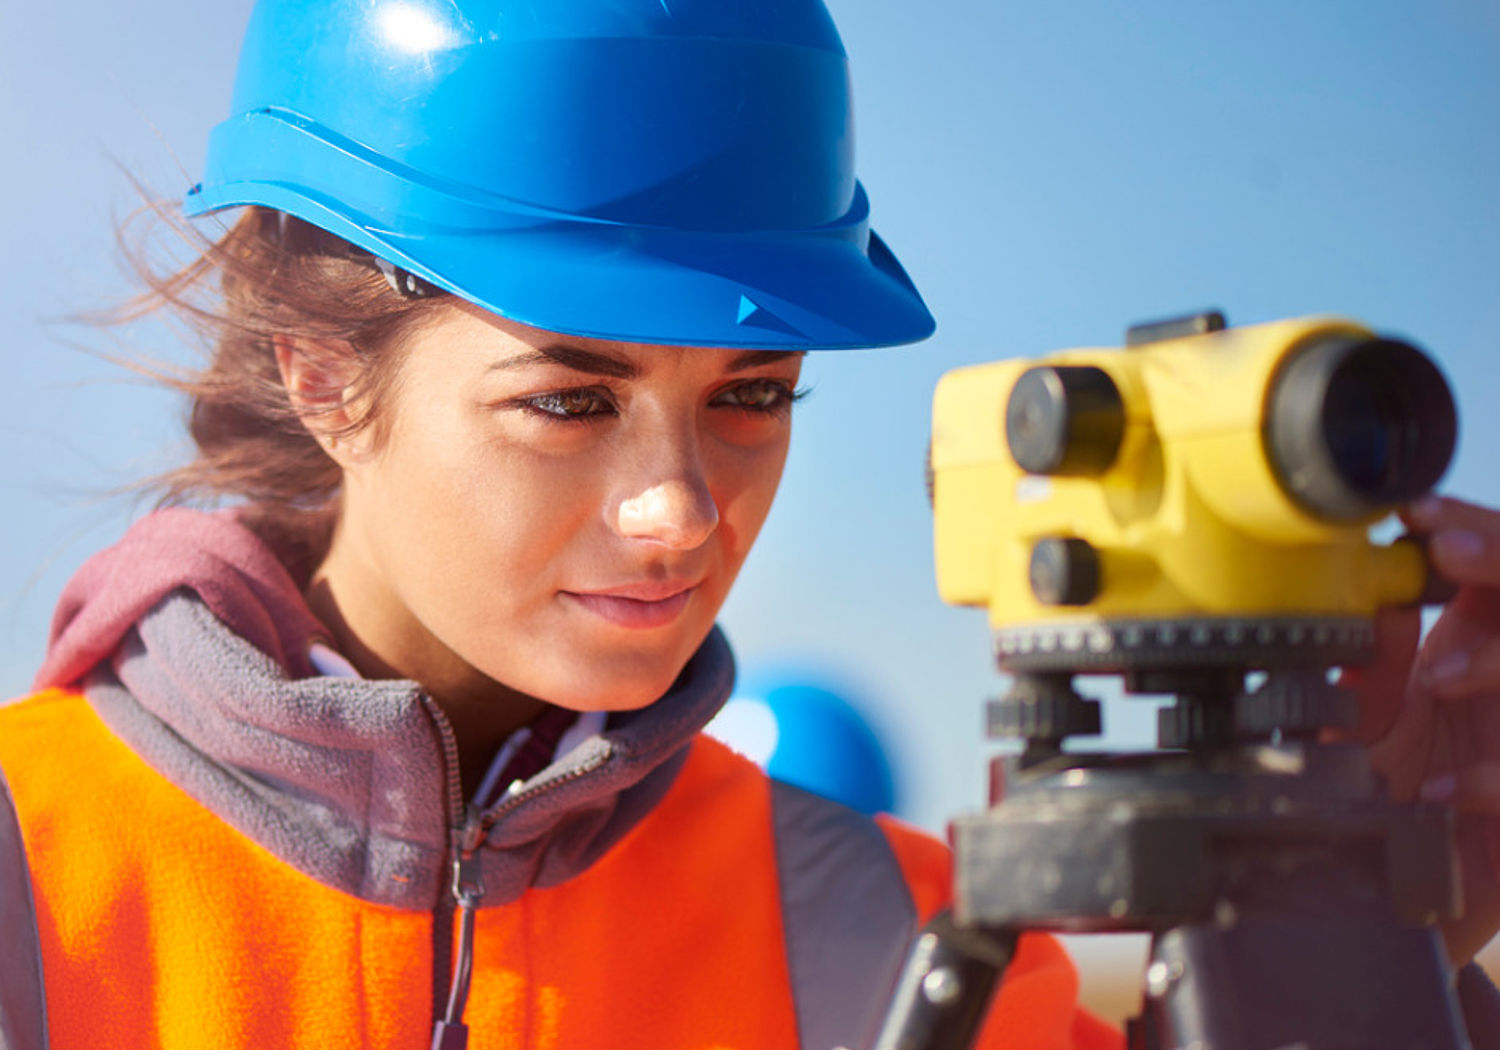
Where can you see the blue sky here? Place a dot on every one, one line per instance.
(1049, 173)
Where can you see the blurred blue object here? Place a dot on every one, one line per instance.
(810, 733)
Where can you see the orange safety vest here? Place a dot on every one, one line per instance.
(160, 925)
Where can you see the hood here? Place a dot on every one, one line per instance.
(212, 555)
(190, 641)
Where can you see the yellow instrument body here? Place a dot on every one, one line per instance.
(1188, 521)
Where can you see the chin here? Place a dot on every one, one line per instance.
(612, 684)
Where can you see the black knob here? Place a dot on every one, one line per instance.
(1294, 704)
(1042, 707)
(1064, 571)
(1065, 420)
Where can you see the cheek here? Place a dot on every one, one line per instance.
(747, 487)
(470, 528)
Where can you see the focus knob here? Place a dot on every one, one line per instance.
(1064, 571)
(1065, 420)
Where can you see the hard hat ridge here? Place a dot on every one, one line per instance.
(626, 169)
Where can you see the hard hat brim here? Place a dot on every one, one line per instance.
(832, 287)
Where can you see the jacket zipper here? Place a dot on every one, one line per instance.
(450, 1032)
(467, 887)
(445, 1035)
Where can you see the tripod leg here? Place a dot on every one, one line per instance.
(946, 986)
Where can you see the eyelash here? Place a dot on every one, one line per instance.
(585, 405)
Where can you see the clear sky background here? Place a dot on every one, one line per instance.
(1048, 172)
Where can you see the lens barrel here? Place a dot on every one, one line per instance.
(1357, 426)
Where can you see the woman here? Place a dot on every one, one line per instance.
(403, 750)
(405, 746)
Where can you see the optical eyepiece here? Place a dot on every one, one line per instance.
(1356, 426)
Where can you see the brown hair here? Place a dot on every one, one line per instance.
(269, 275)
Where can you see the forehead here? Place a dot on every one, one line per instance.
(499, 344)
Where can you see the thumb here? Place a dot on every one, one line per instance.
(1381, 684)
(1473, 789)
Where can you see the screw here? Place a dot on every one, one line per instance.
(942, 986)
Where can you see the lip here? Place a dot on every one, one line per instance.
(637, 605)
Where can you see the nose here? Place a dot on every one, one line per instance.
(677, 512)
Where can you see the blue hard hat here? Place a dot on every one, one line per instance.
(658, 171)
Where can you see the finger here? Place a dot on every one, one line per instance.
(1434, 513)
(1463, 674)
(1381, 685)
(1466, 557)
(1472, 789)
(1404, 754)
(1462, 542)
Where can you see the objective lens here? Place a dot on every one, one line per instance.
(1366, 428)
(1356, 426)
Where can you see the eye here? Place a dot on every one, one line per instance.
(768, 396)
(582, 405)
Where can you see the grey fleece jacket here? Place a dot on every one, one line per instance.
(353, 782)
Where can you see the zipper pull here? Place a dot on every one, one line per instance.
(468, 890)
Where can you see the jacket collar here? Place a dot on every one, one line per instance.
(353, 782)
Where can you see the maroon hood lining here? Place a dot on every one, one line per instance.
(210, 553)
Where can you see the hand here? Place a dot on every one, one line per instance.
(1432, 716)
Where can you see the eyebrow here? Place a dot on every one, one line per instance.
(756, 358)
(574, 357)
(592, 362)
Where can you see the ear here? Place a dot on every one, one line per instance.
(319, 376)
